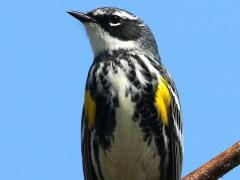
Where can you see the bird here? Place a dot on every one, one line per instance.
(131, 126)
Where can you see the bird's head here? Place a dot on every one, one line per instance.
(111, 29)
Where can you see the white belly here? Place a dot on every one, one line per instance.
(129, 158)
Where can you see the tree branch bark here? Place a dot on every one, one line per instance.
(218, 166)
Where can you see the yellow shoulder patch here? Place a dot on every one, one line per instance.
(89, 108)
(162, 100)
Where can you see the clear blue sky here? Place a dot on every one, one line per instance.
(44, 60)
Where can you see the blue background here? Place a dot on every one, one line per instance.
(44, 59)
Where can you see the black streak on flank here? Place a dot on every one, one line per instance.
(105, 121)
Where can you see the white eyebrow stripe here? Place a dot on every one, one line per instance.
(125, 15)
(122, 14)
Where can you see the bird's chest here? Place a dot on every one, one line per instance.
(129, 157)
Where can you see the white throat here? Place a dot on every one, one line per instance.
(102, 41)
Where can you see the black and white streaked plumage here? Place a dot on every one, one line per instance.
(131, 123)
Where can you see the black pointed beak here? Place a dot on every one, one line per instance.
(84, 18)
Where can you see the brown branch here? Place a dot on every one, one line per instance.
(218, 166)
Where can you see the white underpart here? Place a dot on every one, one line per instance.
(101, 40)
(129, 158)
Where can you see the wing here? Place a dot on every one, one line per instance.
(174, 130)
(89, 173)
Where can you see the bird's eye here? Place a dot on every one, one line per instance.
(114, 19)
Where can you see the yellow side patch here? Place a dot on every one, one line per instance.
(162, 100)
(90, 108)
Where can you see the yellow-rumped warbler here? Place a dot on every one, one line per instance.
(131, 123)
